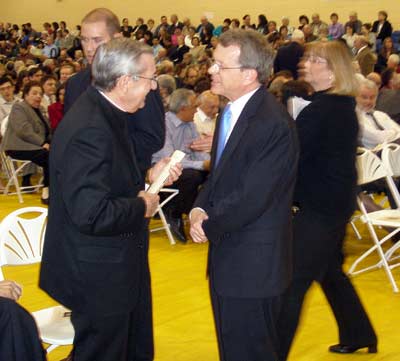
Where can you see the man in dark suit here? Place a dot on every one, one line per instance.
(289, 56)
(147, 126)
(389, 99)
(365, 57)
(96, 244)
(244, 209)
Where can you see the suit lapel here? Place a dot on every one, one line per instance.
(237, 133)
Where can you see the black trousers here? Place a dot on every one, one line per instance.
(39, 157)
(246, 327)
(19, 340)
(118, 337)
(188, 185)
(318, 257)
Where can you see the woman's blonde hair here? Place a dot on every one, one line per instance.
(339, 61)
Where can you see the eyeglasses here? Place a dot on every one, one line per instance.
(218, 67)
(315, 59)
(153, 78)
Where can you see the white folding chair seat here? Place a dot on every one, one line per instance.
(371, 168)
(21, 242)
(14, 168)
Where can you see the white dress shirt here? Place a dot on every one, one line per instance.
(237, 107)
(204, 124)
(370, 135)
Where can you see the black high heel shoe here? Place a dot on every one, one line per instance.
(340, 348)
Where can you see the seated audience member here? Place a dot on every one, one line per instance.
(387, 49)
(354, 22)
(382, 27)
(166, 85)
(288, 56)
(365, 57)
(393, 62)
(35, 74)
(389, 99)
(49, 85)
(376, 78)
(50, 50)
(207, 110)
(192, 75)
(19, 335)
(336, 29)
(317, 24)
(181, 50)
(285, 22)
(165, 67)
(28, 133)
(277, 81)
(349, 36)
(66, 71)
(7, 97)
(197, 49)
(303, 20)
(388, 77)
(126, 29)
(180, 133)
(308, 34)
(376, 127)
(366, 31)
(56, 110)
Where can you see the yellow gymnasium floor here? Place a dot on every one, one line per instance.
(183, 325)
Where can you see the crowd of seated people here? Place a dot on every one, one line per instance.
(184, 52)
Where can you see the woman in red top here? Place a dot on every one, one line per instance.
(56, 110)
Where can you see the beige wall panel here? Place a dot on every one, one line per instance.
(73, 10)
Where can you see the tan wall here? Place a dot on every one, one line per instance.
(72, 11)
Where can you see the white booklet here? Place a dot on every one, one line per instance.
(176, 157)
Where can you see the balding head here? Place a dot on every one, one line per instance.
(376, 78)
(209, 103)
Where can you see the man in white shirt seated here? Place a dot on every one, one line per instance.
(180, 133)
(49, 85)
(206, 114)
(376, 127)
(7, 97)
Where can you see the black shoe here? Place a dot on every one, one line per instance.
(45, 201)
(340, 348)
(177, 228)
(26, 181)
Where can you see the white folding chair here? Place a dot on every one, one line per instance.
(165, 225)
(13, 169)
(21, 242)
(370, 168)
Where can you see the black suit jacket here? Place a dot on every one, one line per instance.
(288, 57)
(94, 255)
(385, 32)
(146, 126)
(248, 198)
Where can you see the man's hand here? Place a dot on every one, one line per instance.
(202, 144)
(151, 201)
(46, 146)
(10, 289)
(197, 217)
(174, 173)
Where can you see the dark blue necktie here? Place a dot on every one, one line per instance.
(223, 132)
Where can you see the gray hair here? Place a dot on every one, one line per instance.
(118, 57)
(180, 99)
(167, 82)
(366, 83)
(394, 58)
(255, 52)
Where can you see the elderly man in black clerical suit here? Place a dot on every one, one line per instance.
(244, 208)
(147, 129)
(96, 244)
